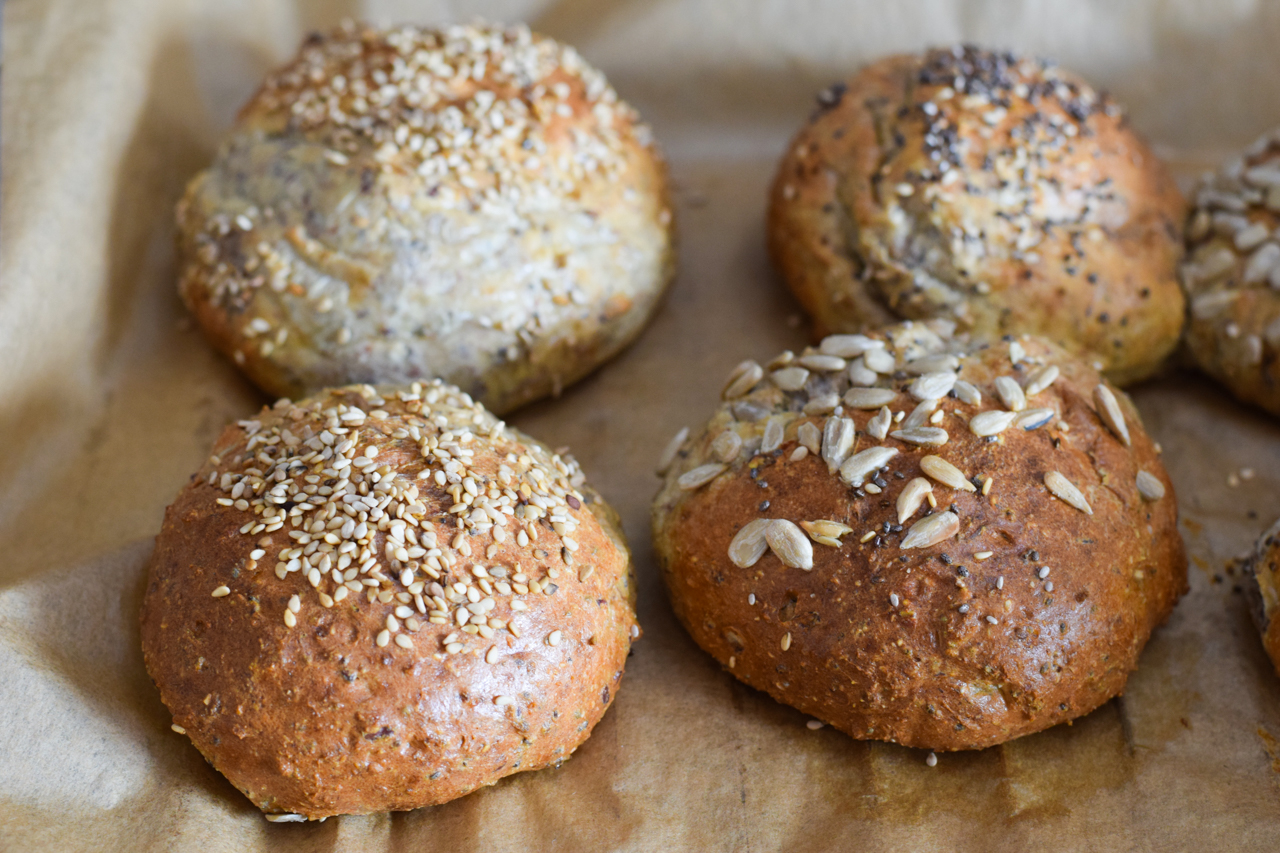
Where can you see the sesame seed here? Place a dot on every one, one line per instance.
(290, 620)
(179, 729)
(814, 725)
(786, 641)
(492, 657)
(553, 639)
(383, 638)
(931, 760)
(220, 591)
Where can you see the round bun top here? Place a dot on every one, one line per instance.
(1232, 274)
(996, 190)
(489, 114)
(920, 539)
(379, 599)
(469, 203)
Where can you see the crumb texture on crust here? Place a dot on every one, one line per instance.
(383, 598)
(922, 540)
(472, 203)
(998, 191)
(1261, 569)
(1232, 274)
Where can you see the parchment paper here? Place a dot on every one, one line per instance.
(108, 400)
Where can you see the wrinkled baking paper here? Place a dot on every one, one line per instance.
(109, 400)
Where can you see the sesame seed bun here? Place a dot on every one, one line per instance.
(1000, 192)
(470, 203)
(1232, 275)
(922, 540)
(379, 599)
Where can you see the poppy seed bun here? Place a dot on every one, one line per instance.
(470, 203)
(1232, 275)
(1261, 569)
(1000, 192)
(920, 540)
(379, 599)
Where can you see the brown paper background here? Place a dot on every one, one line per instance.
(108, 401)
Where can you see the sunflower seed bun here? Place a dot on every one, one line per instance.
(1232, 275)
(920, 540)
(1261, 571)
(379, 599)
(1003, 193)
(471, 203)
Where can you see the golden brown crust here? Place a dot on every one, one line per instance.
(360, 705)
(1232, 275)
(1021, 202)
(1031, 613)
(373, 219)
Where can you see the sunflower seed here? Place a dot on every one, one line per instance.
(878, 426)
(1065, 490)
(727, 445)
(1206, 306)
(1030, 419)
(826, 532)
(774, 432)
(790, 378)
(920, 414)
(946, 473)
(855, 469)
(911, 497)
(860, 374)
(822, 363)
(1109, 411)
(879, 360)
(748, 544)
(838, 437)
(822, 404)
(848, 346)
(1149, 486)
(932, 386)
(869, 398)
(967, 393)
(923, 436)
(931, 530)
(1041, 379)
(669, 452)
(1261, 262)
(699, 476)
(991, 422)
(743, 379)
(810, 436)
(790, 544)
(932, 364)
(1011, 393)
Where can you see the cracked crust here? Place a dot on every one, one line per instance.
(1021, 203)
(1022, 611)
(472, 203)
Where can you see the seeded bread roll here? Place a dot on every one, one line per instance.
(920, 540)
(1261, 571)
(471, 203)
(376, 600)
(1003, 193)
(1232, 275)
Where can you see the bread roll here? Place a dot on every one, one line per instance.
(922, 540)
(380, 599)
(1261, 570)
(1000, 192)
(470, 203)
(1232, 275)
